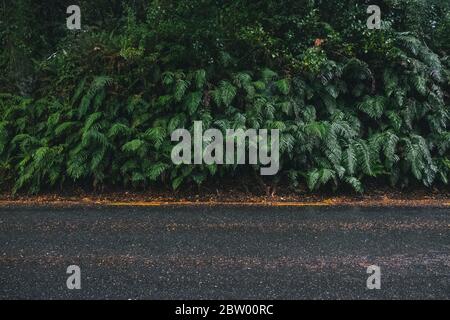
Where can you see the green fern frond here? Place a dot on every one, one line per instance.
(118, 129)
(181, 87)
(156, 135)
(268, 75)
(364, 157)
(283, 86)
(168, 78)
(156, 170)
(355, 184)
(193, 101)
(373, 106)
(350, 160)
(133, 146)
(200, 78)
(227, 92)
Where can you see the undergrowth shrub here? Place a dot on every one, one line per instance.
(352, 105)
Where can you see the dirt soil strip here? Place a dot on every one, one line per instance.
(331, 202)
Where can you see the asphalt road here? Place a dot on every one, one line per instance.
(225, 252)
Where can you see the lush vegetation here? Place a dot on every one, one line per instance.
(95, 108)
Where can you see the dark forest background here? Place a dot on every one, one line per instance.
(95, 108)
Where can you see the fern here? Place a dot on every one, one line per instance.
(318, 178)
(133, 145)
(156, 135)
(200, 79)
(96, 90)
(226, 93)
(180, 89)
(283, 86)
(364, 157)
(118, 129)
(350, 160)
(156, 170)
(193, 101)
(373, 106)
(355, 184)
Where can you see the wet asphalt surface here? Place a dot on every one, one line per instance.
(225, 252)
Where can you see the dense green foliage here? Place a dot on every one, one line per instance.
(96, 107)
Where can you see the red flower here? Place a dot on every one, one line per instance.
(318, 42)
